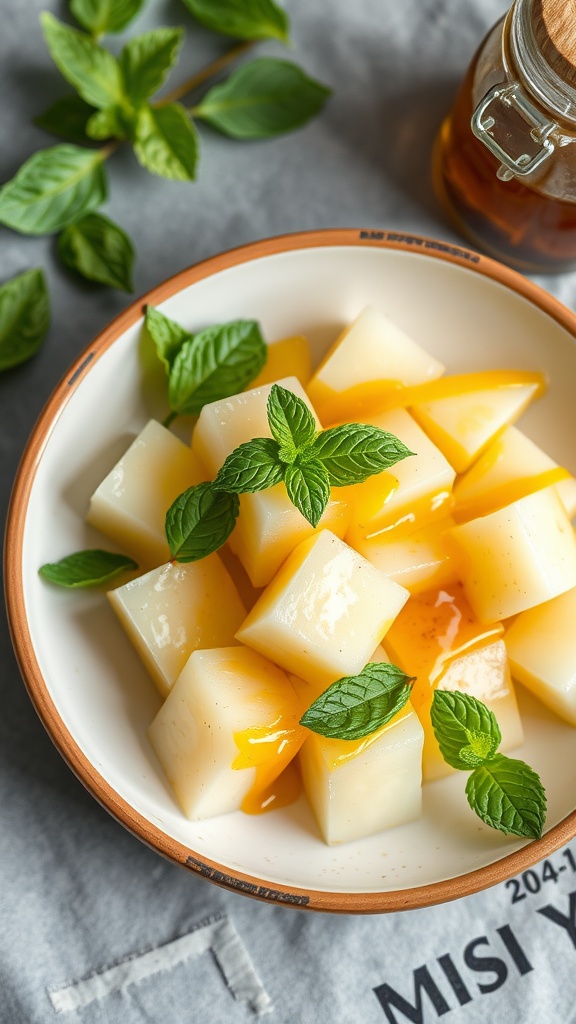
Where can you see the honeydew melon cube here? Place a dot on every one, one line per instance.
(542, 650)
(130, 504)
(414, 491)
(227, 730)
(420, 561)
(269, 526)
(464, 424)
(517, 557)
(511, 467)
(370, 356)
(289, 357)
(324, 612)
(175, 609)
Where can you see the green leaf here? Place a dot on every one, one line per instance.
(508, 795)
(245, 19)
(166, 142)
(215, 363)
(110, 123)
(200, 521)
(55, 187)
(291, 423)
(67, 118)
(262, 99)
(146, 60)
(167, 335)
(91, 69)
(24, 317)
(86, 568)
(99, 250)
(467, 731)
(354, 451)
(356, 706)
(252, 466)
(102, 16)
(308, 488)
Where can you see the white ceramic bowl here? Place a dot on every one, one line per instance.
(87, 683)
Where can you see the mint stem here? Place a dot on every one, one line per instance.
(170, 417)
(205, 73)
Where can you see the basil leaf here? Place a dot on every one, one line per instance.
(92, 70)
(509, 796)
(252, 466)
(167, 335)
(86, 568)
(101, 16)
(67, 118)
(264, 98)
(200, 521)
(467, 731)
(99, 250)
(308, 488)
(52, 189)
(245, 19)
(291, 423)
(110, 123)
(166, 142)
(215, 363)
(24, 317)
(146, 60)
(356, 706)
(354, 451)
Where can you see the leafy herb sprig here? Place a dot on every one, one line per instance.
(355, 706)
(88, 568)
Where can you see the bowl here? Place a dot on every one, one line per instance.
(87, 683)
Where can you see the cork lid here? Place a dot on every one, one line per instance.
(554, 24)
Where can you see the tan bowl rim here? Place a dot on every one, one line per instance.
(336, 902)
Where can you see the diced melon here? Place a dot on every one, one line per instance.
(175, 609)
(225, 733)
(289, 357)
(130, 504)
(325, 611)
(517, 557)
(269, 526)
(371, 356)
(413, 492)
(541, 646)
(510, 468)
(420, 561)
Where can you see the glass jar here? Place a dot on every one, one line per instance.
(504, 161)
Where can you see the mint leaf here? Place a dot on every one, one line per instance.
(146, 60)
(200, 521)
(508, 795)
(24, 317)
(356, 706)
(67, 118)
(55, 187)
(110, 123)
(217, 362)
(308, 488)
(262, 99)
(167, 335)
(467, 731)
(102, 16)
(354, 451)
(166, 142)
(252, 466)
(92, 70)
(86, 568)
(245, 19)
(291, 423)
(99, 250)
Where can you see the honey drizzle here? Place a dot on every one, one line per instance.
(507, 493)
(269, 750)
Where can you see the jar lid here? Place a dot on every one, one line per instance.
(554, 26)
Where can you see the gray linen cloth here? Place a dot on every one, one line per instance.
(94, 925)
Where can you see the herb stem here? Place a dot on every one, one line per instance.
(169, 418)
(205, 73)
(110, 148)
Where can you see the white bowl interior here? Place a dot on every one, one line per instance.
(94, 678)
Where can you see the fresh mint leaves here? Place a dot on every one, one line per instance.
(146, 61)
(67, 118)
(90, 68)
(505, 793)
(355, 451)
(291, 423)
(102, 16)
(167, 335)
(53, 189)
(252, 466)
(245, 19)
(355, 706)
(308, 487)
(166, 142)
(24, 317)
(99, 250)
(86, 568)
(200, 521)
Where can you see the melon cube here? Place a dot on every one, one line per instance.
(420, 561)
(228, 729)
(130, 504)
(289, 357)
(175, 609)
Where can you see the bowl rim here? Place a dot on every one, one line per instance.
(175, 851)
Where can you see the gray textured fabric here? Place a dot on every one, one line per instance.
(80, 895)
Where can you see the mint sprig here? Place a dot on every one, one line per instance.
(199, 522)
(355, 706)
(24, 317)
(505, 793)
(88, 568)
